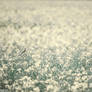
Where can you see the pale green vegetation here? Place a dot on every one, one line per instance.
(45, 49)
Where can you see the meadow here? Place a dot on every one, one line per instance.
(46, 46)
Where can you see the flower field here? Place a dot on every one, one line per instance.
(45, 46)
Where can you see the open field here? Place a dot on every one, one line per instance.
(46, 46)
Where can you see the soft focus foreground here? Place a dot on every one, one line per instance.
(45, 46)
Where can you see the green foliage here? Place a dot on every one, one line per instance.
(41, 86)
